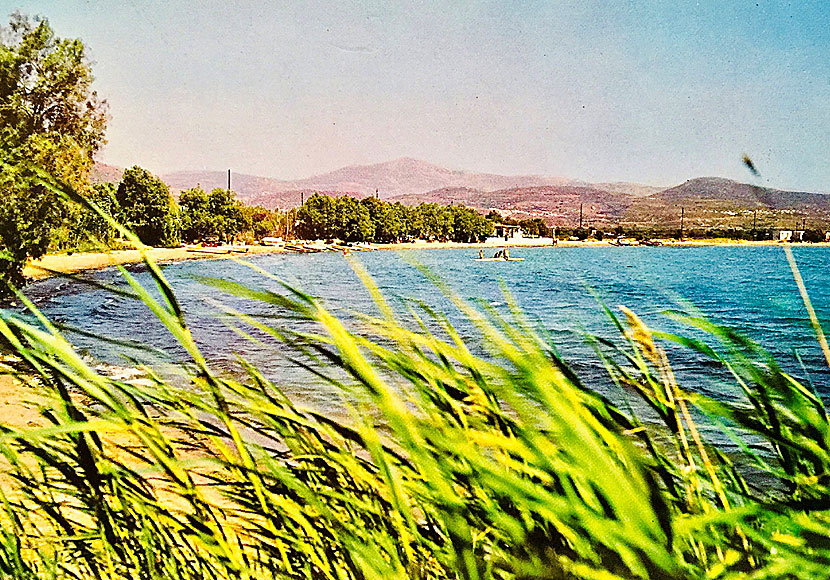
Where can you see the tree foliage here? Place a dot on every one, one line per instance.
(260, 222)
(83, 228)
(205, 215)
(347, 219)
(148, 208)
(49, 117)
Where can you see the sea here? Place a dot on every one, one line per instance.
(559, 290)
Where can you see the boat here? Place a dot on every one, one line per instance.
(227, 249)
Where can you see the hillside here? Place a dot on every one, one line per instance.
(706, 201)
(554, 203)
(391, 178)
(102, 173)
(743, 194)
(406, 175)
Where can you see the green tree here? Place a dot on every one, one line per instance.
(534, 227)
(469, 225)
(397, 224)
(316, 218)
(148, 208)
(196, 220)
(352, 220)
(217, 213)
(225, 210)
(390, 221)
(92, 225)
(261, 222)
(49, 117)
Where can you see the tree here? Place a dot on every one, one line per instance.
(196, 222)
(225, 210)
(89, 224)
(261, 222)
(431, 221)
(215, 214)
(534, 227)
(51, 118)
(352, 220)
(397, 224)
(468, 225)
(148, 208)
(317, 218)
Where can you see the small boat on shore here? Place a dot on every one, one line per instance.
(217, 249)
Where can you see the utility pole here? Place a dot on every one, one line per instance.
(682, 217)
(754, 220)
(229, 179)
(302, 198)
(580, 216)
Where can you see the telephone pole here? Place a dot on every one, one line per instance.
(682, 217)
(754, 220)
(229, 179)
(580, 216)
(302, 198)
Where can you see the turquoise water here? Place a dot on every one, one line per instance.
(750, 288)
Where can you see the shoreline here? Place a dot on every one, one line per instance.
(51, 264)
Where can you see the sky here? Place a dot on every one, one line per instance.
(651, 92)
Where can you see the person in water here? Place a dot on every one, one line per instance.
(506, 254)
(481, 254)
(497, 254)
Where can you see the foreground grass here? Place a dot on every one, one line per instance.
(454, 465)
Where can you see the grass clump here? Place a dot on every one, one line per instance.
(452, 465)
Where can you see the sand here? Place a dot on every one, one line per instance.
(77, 262)
(17, 403)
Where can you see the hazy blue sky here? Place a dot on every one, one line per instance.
(655, 92)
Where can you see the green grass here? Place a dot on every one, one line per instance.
(452, 464)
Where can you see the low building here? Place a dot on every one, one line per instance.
(507, 231)
(790, 235)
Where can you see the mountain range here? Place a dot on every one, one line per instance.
(710, 201)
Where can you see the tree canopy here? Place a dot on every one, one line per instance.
(350, 220)
(49, 117)
(204, 215)
(148, 208)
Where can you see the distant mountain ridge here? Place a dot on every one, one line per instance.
(555, 199)
(389, 179)
(720, 189)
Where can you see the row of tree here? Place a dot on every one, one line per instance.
(143, 203)
(372, 220)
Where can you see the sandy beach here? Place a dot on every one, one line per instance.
(77, 262)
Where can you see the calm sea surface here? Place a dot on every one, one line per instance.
(750, 288)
